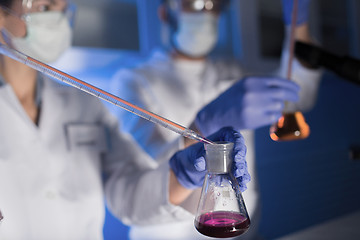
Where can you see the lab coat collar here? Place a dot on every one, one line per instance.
(12, 103)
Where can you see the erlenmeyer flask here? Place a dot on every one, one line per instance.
(290, 126)
(221, 212)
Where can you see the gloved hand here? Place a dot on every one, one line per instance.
(302, 12)
(250, 103)
(189, 165)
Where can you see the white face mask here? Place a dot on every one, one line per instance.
(197, 34)
(48, 36)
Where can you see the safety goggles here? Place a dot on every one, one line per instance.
(215, 6)
(28, 7)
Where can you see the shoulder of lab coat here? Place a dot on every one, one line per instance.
(228, 69)
(135, 85)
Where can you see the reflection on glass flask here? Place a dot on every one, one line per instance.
(221, 212)
(291, 126)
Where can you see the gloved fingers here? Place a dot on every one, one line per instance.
(256, 103)
(228, 134)
(239, 165)
(269, 100)
(243, 180)
(268, 119)
(281, 94)
(262, 84)
(274, 110)
(200, 164)
(269, 115)
(277, 82)
(225, 134)
(272, 107)
(188, 166)
(273, 117)
(262, 113)
(239, 146)
(240, 169)
(196, 151)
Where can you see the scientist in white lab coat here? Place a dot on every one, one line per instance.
(61, 151)
(179, 80)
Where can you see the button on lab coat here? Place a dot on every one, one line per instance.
(51, 175)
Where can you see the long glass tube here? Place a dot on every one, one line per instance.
(290, 126)
(99, 93)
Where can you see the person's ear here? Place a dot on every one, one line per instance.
(163, 13)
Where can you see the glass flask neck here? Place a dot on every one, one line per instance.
(219, 157)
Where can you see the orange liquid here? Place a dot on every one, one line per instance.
(291, 126)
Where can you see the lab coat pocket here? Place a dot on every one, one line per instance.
(88, 137)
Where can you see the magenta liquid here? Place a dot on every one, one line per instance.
(222, 224)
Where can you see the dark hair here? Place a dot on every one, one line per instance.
(6, 3)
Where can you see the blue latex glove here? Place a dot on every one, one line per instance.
(250, 103)
(302, 14)
(189, 164)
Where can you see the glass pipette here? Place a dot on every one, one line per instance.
(99, 93)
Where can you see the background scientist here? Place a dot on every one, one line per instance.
(178, 80)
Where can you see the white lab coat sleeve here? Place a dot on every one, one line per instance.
(135, 88)
(136, 186)
(307, 79)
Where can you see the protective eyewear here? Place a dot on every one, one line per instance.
(42, 6)
(215, 6)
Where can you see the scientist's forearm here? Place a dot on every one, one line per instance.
(177, 193)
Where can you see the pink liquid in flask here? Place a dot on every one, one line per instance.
(222, 224)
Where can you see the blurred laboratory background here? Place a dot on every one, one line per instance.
(310, 188)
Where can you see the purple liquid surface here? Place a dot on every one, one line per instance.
(222, 224)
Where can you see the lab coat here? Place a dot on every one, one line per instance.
(177, 90)
(51, 175)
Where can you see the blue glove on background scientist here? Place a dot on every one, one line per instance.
(250, 103)
(254, 101)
